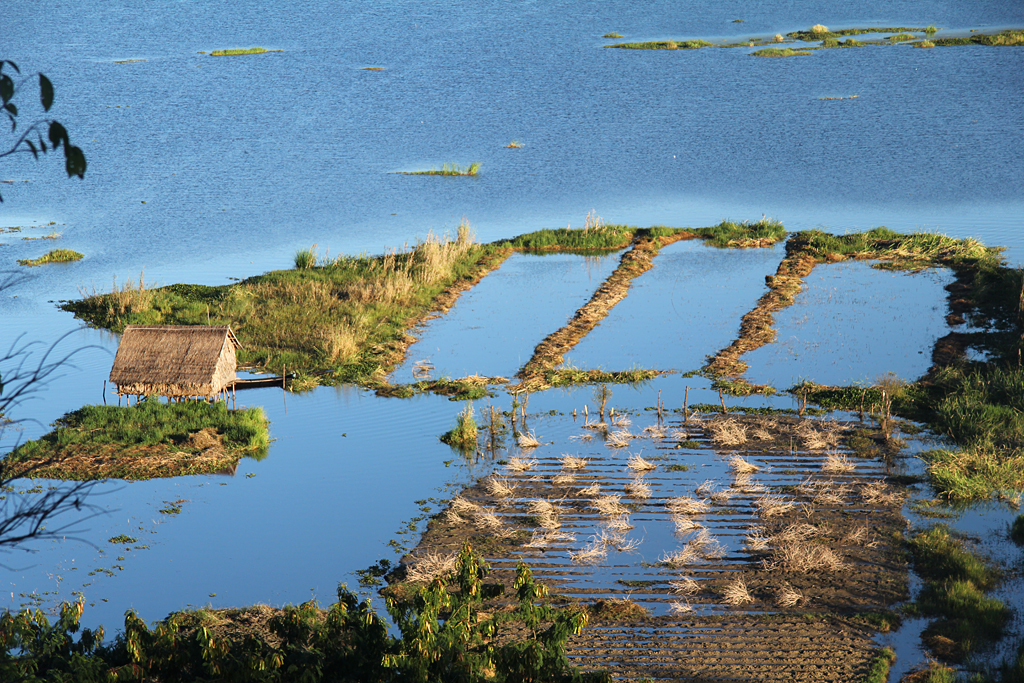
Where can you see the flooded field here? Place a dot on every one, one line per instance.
(210, 170)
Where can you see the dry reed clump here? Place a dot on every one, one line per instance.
(680, 434)
(544, 538)
(756, 540)
(545, 513)
(787, 596)
(461, 506)
(339, 342)
(819, 436)
(592, 553)
(679, 608)
(563, 479)
(765, 429)
(610, 506)
(685, 505)
(527, 440)
(591, 491)
(431, 566)
(638, 488)
(741, 466)
(722, 497)
(804, 557)
(684, 586)
(680, 557)
(877, 493)
(656, 432)
(796, 533)
(500, 488)
(520, 464)
(685, 526)
(736, 594)
(487, 520)
(638, 464)
(836, 463)
(706, 488)
(571, 462)
(856, 536)
(585, 436)
(621, 421)
(620, 438)
(769, 505)
(728, 432)
(830, 493)
(618, 525)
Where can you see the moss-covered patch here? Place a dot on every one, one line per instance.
(778, 52)
(664, 45)
(731, 235)
(53, 256)
(241, 51)
(148, 440)
(449, 169)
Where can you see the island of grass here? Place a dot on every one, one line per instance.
(831, 39)
(449, 169)
(145, 441)
(53, 256)
(347, 319)
(241, 51)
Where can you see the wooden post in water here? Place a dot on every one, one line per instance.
(686, 401)
(722, 400)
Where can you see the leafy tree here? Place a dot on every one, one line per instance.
(31, 137)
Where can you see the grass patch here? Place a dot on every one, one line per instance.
(901, 37)
(924, 44)
(731, 235)
(449, 169)
(241, 51)
(778, 52)
(1012, 37)
(878, 672)
(53, 256)
(150, 439)
(819, 32)
(340, 320)
(611, 35)
(955, 585)
(664, 45)
(594, 237)
(463, 435)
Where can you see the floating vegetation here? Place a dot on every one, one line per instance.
(850, 97)
(53, 256)
(145, 441)
(515, 144)
(241, 51)
(449, 169)
(664, 45)
(464, 434)
(779, 52)
(611, 35)
(128, 61)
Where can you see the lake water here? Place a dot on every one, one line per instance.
(203, 169)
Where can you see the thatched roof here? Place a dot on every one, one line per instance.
(175, 360)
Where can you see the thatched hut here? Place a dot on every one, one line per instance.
(177, 361)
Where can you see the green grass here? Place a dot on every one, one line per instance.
(955, 588)
(879, 670)
(449, 169)
(779, 52)
(600, 238)
(463, 436)
(1012, 37)
(924, 44)
(241, 51)
(53, 256)
(664, 45)
(611, 35)
(140, 441)
(343, 320)
(729, 234)
(901, 37)
(812, 35)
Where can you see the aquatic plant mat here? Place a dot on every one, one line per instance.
(781, 567)
(144, 441)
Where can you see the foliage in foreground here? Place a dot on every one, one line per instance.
(463, 435)
(443, 637)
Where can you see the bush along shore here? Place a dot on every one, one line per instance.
(144, 441)
(442, 635)
(346, 319)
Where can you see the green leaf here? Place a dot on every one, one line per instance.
(74, 161)
(11, 108)
(45, 92)
(6, 88)
(57, 134)
(32, 146)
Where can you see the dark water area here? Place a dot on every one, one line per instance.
(203, 169)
